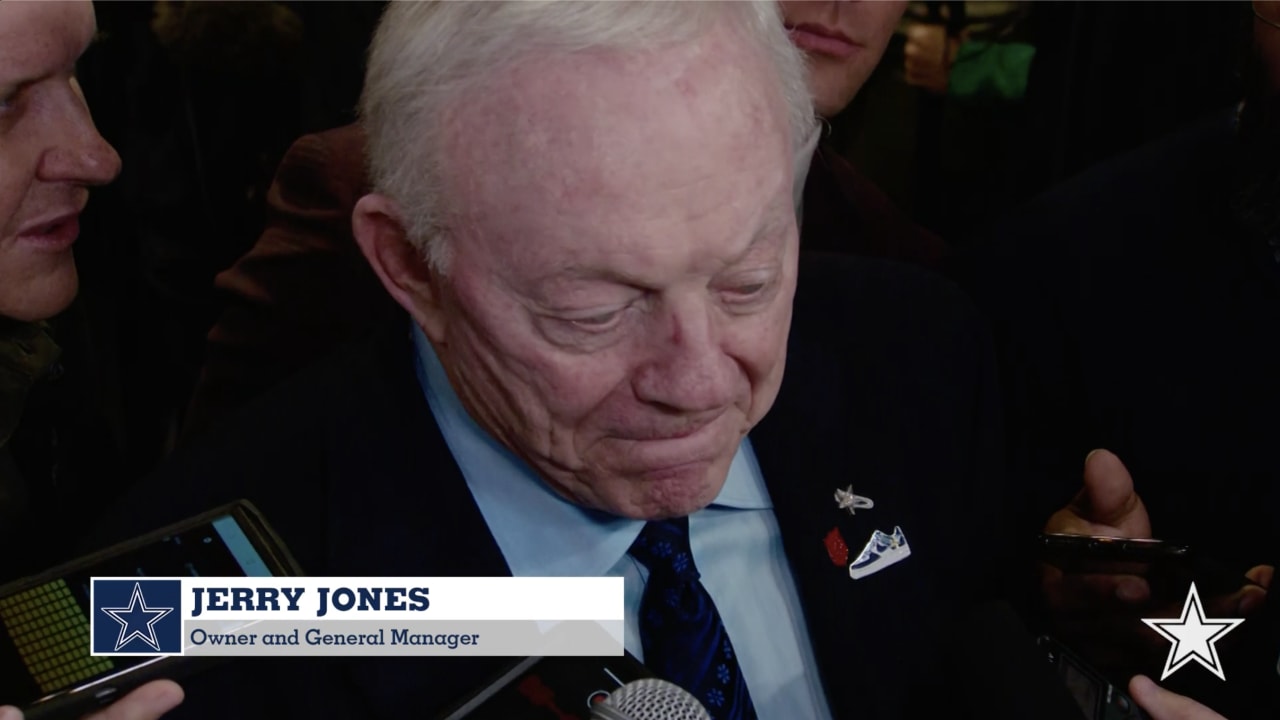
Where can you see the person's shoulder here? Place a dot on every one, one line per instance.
(880, 295)
(277, 450)
(846, 212)
(321, 169)
(1165, 184)
(327, 381)
(887, 328)
(344, 145)
(1098, 231)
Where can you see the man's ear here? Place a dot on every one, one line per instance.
(403, 270)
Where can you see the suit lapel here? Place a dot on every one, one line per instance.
(400, 507)
(399, 499)
(812, 443)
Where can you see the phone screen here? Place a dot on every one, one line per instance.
(1083, 688)
(44, 646)
(1096, 696)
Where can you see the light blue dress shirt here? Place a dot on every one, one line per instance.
(736, 546)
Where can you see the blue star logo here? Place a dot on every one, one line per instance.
(137, 620)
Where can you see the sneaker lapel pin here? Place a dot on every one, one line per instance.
(846, 500)
(881, 551)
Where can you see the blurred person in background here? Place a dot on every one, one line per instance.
(939, 124)
(1137, 309)
(843, 211)
(57, 453)
(52, 464)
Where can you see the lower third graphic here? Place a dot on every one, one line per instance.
(137, 617)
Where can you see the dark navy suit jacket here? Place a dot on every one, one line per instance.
(889, 387)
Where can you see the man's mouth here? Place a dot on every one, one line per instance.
(54, 234)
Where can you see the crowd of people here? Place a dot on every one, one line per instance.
(586, 274)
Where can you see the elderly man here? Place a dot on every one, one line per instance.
(586, 213)
(303, 289)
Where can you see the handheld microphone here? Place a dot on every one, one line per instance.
(650, 699)
(550, 688)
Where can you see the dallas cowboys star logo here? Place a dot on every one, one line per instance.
(1193, 637)
(140, 618)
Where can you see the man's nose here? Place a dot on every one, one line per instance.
(687, 369)
(76, 153)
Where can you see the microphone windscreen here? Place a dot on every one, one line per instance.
(650, 699)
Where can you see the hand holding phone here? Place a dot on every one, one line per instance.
(1168, 568)
(1108, 554)
(1161, 704)
(149, 702)
(45, 665)
(1097, 588)
(1106, 506)
(1097, 697)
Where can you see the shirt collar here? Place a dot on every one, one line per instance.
(539, 532)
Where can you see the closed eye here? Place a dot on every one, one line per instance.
(9, 98)
(747, 291)
(601, 321)
(596, 322)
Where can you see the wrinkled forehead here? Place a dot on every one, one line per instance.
(620, 126)
(41, 39)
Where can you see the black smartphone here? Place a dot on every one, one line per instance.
(1056, 548)
(45, 663)
(1170, 567)
(1096, 696)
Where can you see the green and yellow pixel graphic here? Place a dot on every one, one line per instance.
(51, 633)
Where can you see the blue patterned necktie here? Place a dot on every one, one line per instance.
(683, 637)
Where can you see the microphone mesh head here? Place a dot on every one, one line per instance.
(654, 699)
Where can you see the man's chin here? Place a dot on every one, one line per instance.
(674, 491)
(43, 298)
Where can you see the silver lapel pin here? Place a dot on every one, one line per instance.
(847, 500)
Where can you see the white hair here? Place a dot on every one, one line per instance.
(424, 55)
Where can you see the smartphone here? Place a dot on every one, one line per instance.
(45, 665)
(1169, 567)
(1096, 696)
(1057, 548)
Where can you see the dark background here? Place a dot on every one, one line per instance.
(203, 99)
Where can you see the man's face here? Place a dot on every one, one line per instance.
(619, 297)
(843, 41)
(49, 154)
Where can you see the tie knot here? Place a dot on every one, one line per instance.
(663, 547)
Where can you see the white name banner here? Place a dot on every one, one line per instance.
(357, 616)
